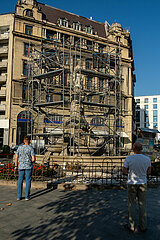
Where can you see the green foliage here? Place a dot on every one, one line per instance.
(6, 149)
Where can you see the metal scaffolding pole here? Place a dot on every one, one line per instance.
(68, 83)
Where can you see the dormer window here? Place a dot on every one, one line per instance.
(77, 26)
(29, 13)
(89, 29)
(63, 22)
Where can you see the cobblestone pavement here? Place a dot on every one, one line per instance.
(55, 214)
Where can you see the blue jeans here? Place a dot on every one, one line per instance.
(28, 174)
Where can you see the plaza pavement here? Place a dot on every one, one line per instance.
(81, 215)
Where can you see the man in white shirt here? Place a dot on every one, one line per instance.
(137, 166)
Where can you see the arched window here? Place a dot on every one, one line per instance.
(28, 13)
(56, 119)
(24, 116)
(97, 121)
(24, 119)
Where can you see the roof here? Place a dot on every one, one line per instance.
(53, 14)
(149, 130)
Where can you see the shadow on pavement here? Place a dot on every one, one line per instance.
(81, 215)
(40, 193)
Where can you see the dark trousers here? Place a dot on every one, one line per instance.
(137, 191)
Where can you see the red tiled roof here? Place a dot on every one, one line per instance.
(53, 14)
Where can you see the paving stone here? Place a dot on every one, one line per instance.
(76, 215)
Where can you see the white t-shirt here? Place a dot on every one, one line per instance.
(137, 165)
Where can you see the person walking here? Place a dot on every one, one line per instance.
(137, 166)
(25, 156)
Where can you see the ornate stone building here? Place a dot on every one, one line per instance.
(91, 45)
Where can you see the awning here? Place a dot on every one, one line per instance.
(100, 132)
(149, 130)
(123, 134)
(54, 131)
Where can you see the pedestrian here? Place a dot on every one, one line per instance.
(25, 156)
(137, 166)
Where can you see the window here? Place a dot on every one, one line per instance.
(155, 125)
(100, 48)
(154, 99)
(119, 123)
(57, 119)
(146, 125)
(77, 26)
(89, 29)
(89, 98)
(89, 45)
(146, 113)
(154, 119)
(98, 121)
(50, 34)
(154, 106)
(27, 49)
(89, 64)
(29, 13)
(145, 106)
(61, 78)
(138, 107)
(25, 69)
(101, 85)
(63, 22)
(146, 119)
(76, 41)
(146, 100)
(154, 113)
(28, 30)
(25, 92)
(118, 38)
(89, 83)
(101, 99)
(65, 37)
(63, 58)
(137, 116)
(137, 100)
(49, 97)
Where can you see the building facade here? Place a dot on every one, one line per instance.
(26, 28)
(147, 112)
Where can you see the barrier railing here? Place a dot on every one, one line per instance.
(105, 170)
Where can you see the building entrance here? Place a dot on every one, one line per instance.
(23, 125)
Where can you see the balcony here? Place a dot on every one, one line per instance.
(3, 64)
(3, 78)
(4, 50)
(4, 36)
(2, 93)
(2, 107)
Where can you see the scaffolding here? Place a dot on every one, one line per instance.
(74, 97)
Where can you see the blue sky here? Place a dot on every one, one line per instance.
(142, 19)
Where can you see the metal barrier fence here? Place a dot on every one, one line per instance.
(104, 170)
